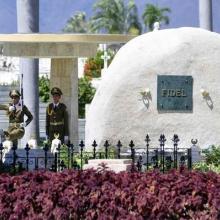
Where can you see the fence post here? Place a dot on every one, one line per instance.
(175, 150)
(14, 148)
(94, 149)
(106, 145)
(27, 148)
(131, 145)
(46, 148)
(55, 162)
(155, 158)
(1, 152)
(58, 157)
(81, 145)
(139, 163)
(162, 152)
(189, 155)
(147, 140)
(1, 157)
(71, 154)
(119, 145)
(68, 154)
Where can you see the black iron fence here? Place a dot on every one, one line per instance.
(74, 157)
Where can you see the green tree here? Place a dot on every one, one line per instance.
(94, 65)
(77, 23)
(115, 17)
(44, 88)
(153, 13)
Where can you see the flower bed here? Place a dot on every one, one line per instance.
(106, 195)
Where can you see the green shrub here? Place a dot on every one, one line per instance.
(212, 160)
(212, 155)
(44, 88)
(204, 167)
(94, 65)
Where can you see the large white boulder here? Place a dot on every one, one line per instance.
(118, 111)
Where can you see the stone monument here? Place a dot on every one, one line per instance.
(165, 81)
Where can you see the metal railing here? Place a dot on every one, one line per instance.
(74, 157)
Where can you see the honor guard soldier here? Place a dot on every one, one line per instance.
(16, 111)
(57, 118)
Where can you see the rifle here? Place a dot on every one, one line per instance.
(21, 90)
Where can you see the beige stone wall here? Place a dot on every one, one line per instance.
(64, 74)
(59, 50)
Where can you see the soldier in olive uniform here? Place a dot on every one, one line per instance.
(57, 118)
(16, 112)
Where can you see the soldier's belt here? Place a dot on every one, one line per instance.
(57, 123)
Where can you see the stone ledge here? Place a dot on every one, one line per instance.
(116, 165)
(110, 161)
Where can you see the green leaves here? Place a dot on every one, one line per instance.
(212, 155)
(94, 65)
(110, 16)
(212, 160)
(116, 17)
(44, 88)
(153, 13)
(77, 23)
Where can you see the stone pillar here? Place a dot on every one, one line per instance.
(205, 14)
(28, 22)
(64, 74)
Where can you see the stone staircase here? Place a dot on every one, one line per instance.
(4, 98)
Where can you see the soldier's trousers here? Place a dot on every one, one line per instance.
(15, 133)
(56, 130)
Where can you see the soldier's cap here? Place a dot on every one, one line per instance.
(14, 92)
(56, 91)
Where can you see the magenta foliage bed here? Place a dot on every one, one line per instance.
(106, 195)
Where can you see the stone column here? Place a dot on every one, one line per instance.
(205, 14)
(28, 22)
(64, 74)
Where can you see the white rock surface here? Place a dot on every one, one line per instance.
(117, 110)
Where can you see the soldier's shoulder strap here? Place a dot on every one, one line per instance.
(24, 108)
(63, 105)
(50, 105)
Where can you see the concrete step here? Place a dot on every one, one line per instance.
(116, 165)
(110, 161)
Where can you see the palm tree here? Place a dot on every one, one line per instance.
(77, 23)
(114, 17)
(153, 13)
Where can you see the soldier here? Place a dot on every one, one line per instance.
(16, 112)
(57, 118)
